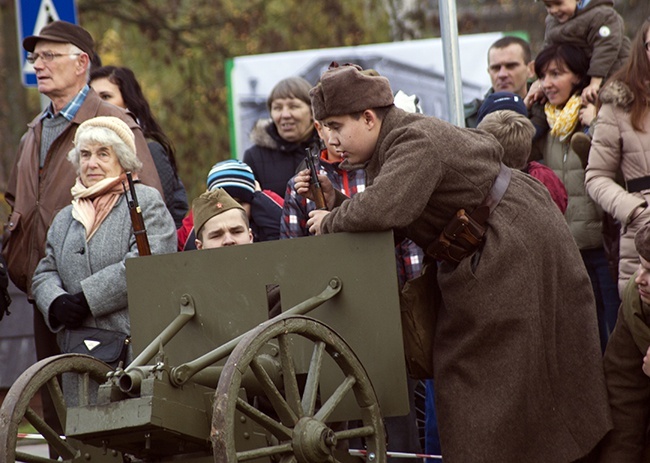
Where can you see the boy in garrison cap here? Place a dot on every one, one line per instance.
(517, 362)
(220, 221)
(263, 208)
(627, 366)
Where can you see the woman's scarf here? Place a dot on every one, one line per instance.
(91, 205)
(563, 121)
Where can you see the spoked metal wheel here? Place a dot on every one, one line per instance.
(87, 373)
(298, 422)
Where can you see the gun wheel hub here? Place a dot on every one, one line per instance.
(313, 441)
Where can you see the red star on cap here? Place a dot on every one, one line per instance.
(219, 205)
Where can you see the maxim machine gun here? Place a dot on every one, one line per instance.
(214, 379)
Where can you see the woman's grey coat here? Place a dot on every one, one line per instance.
(98, 267)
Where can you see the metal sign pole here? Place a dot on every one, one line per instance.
(451, 55)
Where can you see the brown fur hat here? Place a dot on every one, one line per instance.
(515, 133)
(642, 241)
(347, 89)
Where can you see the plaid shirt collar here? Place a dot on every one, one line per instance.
(70, 110)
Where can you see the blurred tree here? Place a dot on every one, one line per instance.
(178, 51)
(13, 103)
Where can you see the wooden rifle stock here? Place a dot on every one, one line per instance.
(314, 183)
(137, 221)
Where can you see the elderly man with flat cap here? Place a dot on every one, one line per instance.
(627, 366)
(516, 356)
(41, 178)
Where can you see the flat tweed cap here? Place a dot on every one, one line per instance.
(209, 204)
(642, 241)
(115, 124)
(63, 32)
(348, 89)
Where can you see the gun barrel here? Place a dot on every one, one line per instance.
(139, 230)
(315, 186)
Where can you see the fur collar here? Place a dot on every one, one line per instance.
(260, 135)
(617, 93)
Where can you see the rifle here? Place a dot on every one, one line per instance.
(316, 191)
(137, 221)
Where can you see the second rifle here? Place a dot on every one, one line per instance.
(314, 184)
(139, 230)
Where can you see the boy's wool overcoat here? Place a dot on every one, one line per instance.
(517, 362)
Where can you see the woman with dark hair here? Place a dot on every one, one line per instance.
(118, 86)
(280, 143)
(622, 144)
(562, 71)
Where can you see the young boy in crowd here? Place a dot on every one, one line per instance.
(594, 26)
(626, 366)
(263, 208)
(505, 116)
(517, 362)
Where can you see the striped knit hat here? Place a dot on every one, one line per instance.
(235, 177)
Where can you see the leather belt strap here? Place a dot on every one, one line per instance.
(463, 235)
(493, 198)
(638, 184)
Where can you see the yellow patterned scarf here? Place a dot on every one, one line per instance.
(563, 121)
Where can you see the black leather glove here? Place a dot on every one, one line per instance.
(67, 310)
(80, 299)
(5, 299)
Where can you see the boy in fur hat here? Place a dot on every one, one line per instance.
(517, 362)
(627, 366)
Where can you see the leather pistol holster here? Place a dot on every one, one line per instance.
(463, 235)
(460, 238)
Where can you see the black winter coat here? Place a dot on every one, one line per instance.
(273, 159)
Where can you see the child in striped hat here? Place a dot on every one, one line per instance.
(264, 208)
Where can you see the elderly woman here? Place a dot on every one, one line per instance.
(81, 281)
(279, 143)
(562, 71)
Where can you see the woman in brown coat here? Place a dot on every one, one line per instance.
(517, 363)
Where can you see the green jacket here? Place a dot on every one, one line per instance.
(627, 386)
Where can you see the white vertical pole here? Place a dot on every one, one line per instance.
(451, 55)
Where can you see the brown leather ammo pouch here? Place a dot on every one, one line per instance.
(460, 238)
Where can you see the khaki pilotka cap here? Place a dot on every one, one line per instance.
(209, 204)
(642, 241)
(348, 89)
(63, 32)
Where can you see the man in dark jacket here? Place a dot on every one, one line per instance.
(510, 66)
(516, 356)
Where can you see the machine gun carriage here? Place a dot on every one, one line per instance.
(204, 386)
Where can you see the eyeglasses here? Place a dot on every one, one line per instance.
(47, 56)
